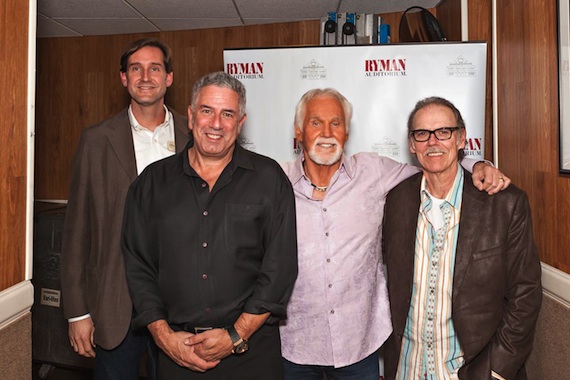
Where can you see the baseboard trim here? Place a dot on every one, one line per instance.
(15, 302)
(556, 283)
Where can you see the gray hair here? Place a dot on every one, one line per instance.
(301, 108)
(220, 79)
(435, 101)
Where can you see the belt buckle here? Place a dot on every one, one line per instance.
(199, 330)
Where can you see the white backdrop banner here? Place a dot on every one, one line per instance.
(383, 83)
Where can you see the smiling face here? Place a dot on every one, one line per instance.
(437, 156)
(146, 78)
(324, 131)
(215, 122)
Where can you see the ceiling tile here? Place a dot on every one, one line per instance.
(50, 28)
(194, 23)
(108, 26)
(86, 9)
(291, 9)
(97, 17)
(185, 8)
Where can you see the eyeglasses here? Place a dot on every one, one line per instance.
(423, 135)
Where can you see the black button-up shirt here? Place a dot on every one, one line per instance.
(197, 257)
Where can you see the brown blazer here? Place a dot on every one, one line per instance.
(497, 291)
(92, 271)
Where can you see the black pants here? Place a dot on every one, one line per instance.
(123, 362)
(261, 362)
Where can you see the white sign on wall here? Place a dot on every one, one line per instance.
(383, 83)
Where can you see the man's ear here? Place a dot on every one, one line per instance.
(411, 145)
(462, 140)
(190, 118)
(298, 134)
(169, 79)
(123, 78)
(240, 123)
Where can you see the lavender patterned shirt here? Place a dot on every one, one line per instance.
(339, 312)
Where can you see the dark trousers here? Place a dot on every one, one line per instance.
(366, 369)
(123, 362)
(261, 362)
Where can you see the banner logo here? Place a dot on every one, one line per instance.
(245, 70)
(386, 147)
(385, 67)
(461, 68)
(474, 147)
(313, 70)
(246, 144)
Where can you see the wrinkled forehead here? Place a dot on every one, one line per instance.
(324, 106)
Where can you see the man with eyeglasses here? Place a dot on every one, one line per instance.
(338, 314)
(463, 270)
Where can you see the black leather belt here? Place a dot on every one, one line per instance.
(196, 329)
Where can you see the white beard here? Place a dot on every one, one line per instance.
(328, 158)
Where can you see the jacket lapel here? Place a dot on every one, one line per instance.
(409, 222)
(181, 131)
(472, 203)
(121, 140)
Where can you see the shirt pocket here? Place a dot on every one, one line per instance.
(244, 227)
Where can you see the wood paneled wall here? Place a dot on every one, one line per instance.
(13, 140)
(448, 14)
(528, 119)
(78, 85)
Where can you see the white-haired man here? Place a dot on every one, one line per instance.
(339, 314)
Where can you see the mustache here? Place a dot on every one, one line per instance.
(326, 140)
(434, 150)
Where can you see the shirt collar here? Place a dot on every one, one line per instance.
(240, 158)
(137, 127)
(453, 197)
(297, 171)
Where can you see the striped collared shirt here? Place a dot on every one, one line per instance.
(430, 348)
